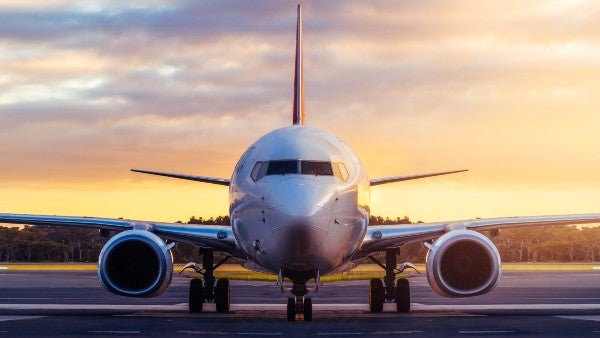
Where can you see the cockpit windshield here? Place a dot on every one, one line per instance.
(302, 167)
(315, 168)
(282, 167)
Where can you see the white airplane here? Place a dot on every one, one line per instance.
(299, 208)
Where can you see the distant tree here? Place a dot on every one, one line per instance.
(535, 244)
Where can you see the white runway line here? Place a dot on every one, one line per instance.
(115, 332)
(259, 334)
(8, 318)
(394, 332)
(183, 307)
(340, 333)
(487, 332)
(423, 307)
(592, 318)
(106, 307)
(3, 267)
(204, 333)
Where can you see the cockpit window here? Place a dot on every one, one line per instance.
(259, 171)
(340, 171)
(282, 167)
(316, 168)
(285, 167)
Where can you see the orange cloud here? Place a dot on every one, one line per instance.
(506, 89)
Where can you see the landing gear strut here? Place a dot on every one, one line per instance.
(205, 291)
(299, 305)
(393, 291)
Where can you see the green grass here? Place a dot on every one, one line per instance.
(236, 272)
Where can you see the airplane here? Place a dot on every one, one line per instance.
(299, 209)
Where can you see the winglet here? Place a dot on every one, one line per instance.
(299, 74)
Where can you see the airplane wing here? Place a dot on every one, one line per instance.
(381, 237)
(217, 237)
(205, 179)
(392, 179)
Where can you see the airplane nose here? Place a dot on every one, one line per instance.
(301, 197)
(300, 215)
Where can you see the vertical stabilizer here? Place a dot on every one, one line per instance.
(299, 74)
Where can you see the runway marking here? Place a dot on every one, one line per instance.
(260, 334)
(596, 268)
(115, 332)
(3, 267)
(339, 333)
(486, 332)
(103, 307)
(394, 332)
(508, 307)
(39, 298)
(204, 332)
(592, 318)
(360, 308)
(8, 318)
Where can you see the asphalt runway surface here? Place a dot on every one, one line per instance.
(549, 304)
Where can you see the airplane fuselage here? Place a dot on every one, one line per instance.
(299, 202)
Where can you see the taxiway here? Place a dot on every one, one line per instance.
(525, 303)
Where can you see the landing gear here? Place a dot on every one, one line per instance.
(299, 305)
(393, 291)
(222, 295)
(376, 295)
(402, 295)
(308, 309)
(205, 291)
(196, 296)
(291, 309)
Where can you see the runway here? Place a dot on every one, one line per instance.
(525, 303)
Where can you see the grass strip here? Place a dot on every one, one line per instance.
(236, 272)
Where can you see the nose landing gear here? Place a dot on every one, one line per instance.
(299, 306)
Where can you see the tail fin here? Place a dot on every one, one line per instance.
(299, 74)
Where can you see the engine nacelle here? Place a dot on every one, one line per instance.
(135, 263)
(463, 263)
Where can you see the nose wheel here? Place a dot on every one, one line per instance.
(299, 307)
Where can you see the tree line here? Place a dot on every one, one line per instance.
(534, 244)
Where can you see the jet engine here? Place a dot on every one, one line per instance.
(463, 263)
(135, 263)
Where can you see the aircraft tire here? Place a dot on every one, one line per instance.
(291, 309)
(402, 295)
(376, 295)
(308, 309)
(222, 295)
(196, 295)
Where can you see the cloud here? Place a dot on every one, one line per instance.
(506, 88)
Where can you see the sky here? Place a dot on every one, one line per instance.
(507, 89)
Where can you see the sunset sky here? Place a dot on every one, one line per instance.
(507, 89)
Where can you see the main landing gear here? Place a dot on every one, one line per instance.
(205, 291)
(389, 289)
